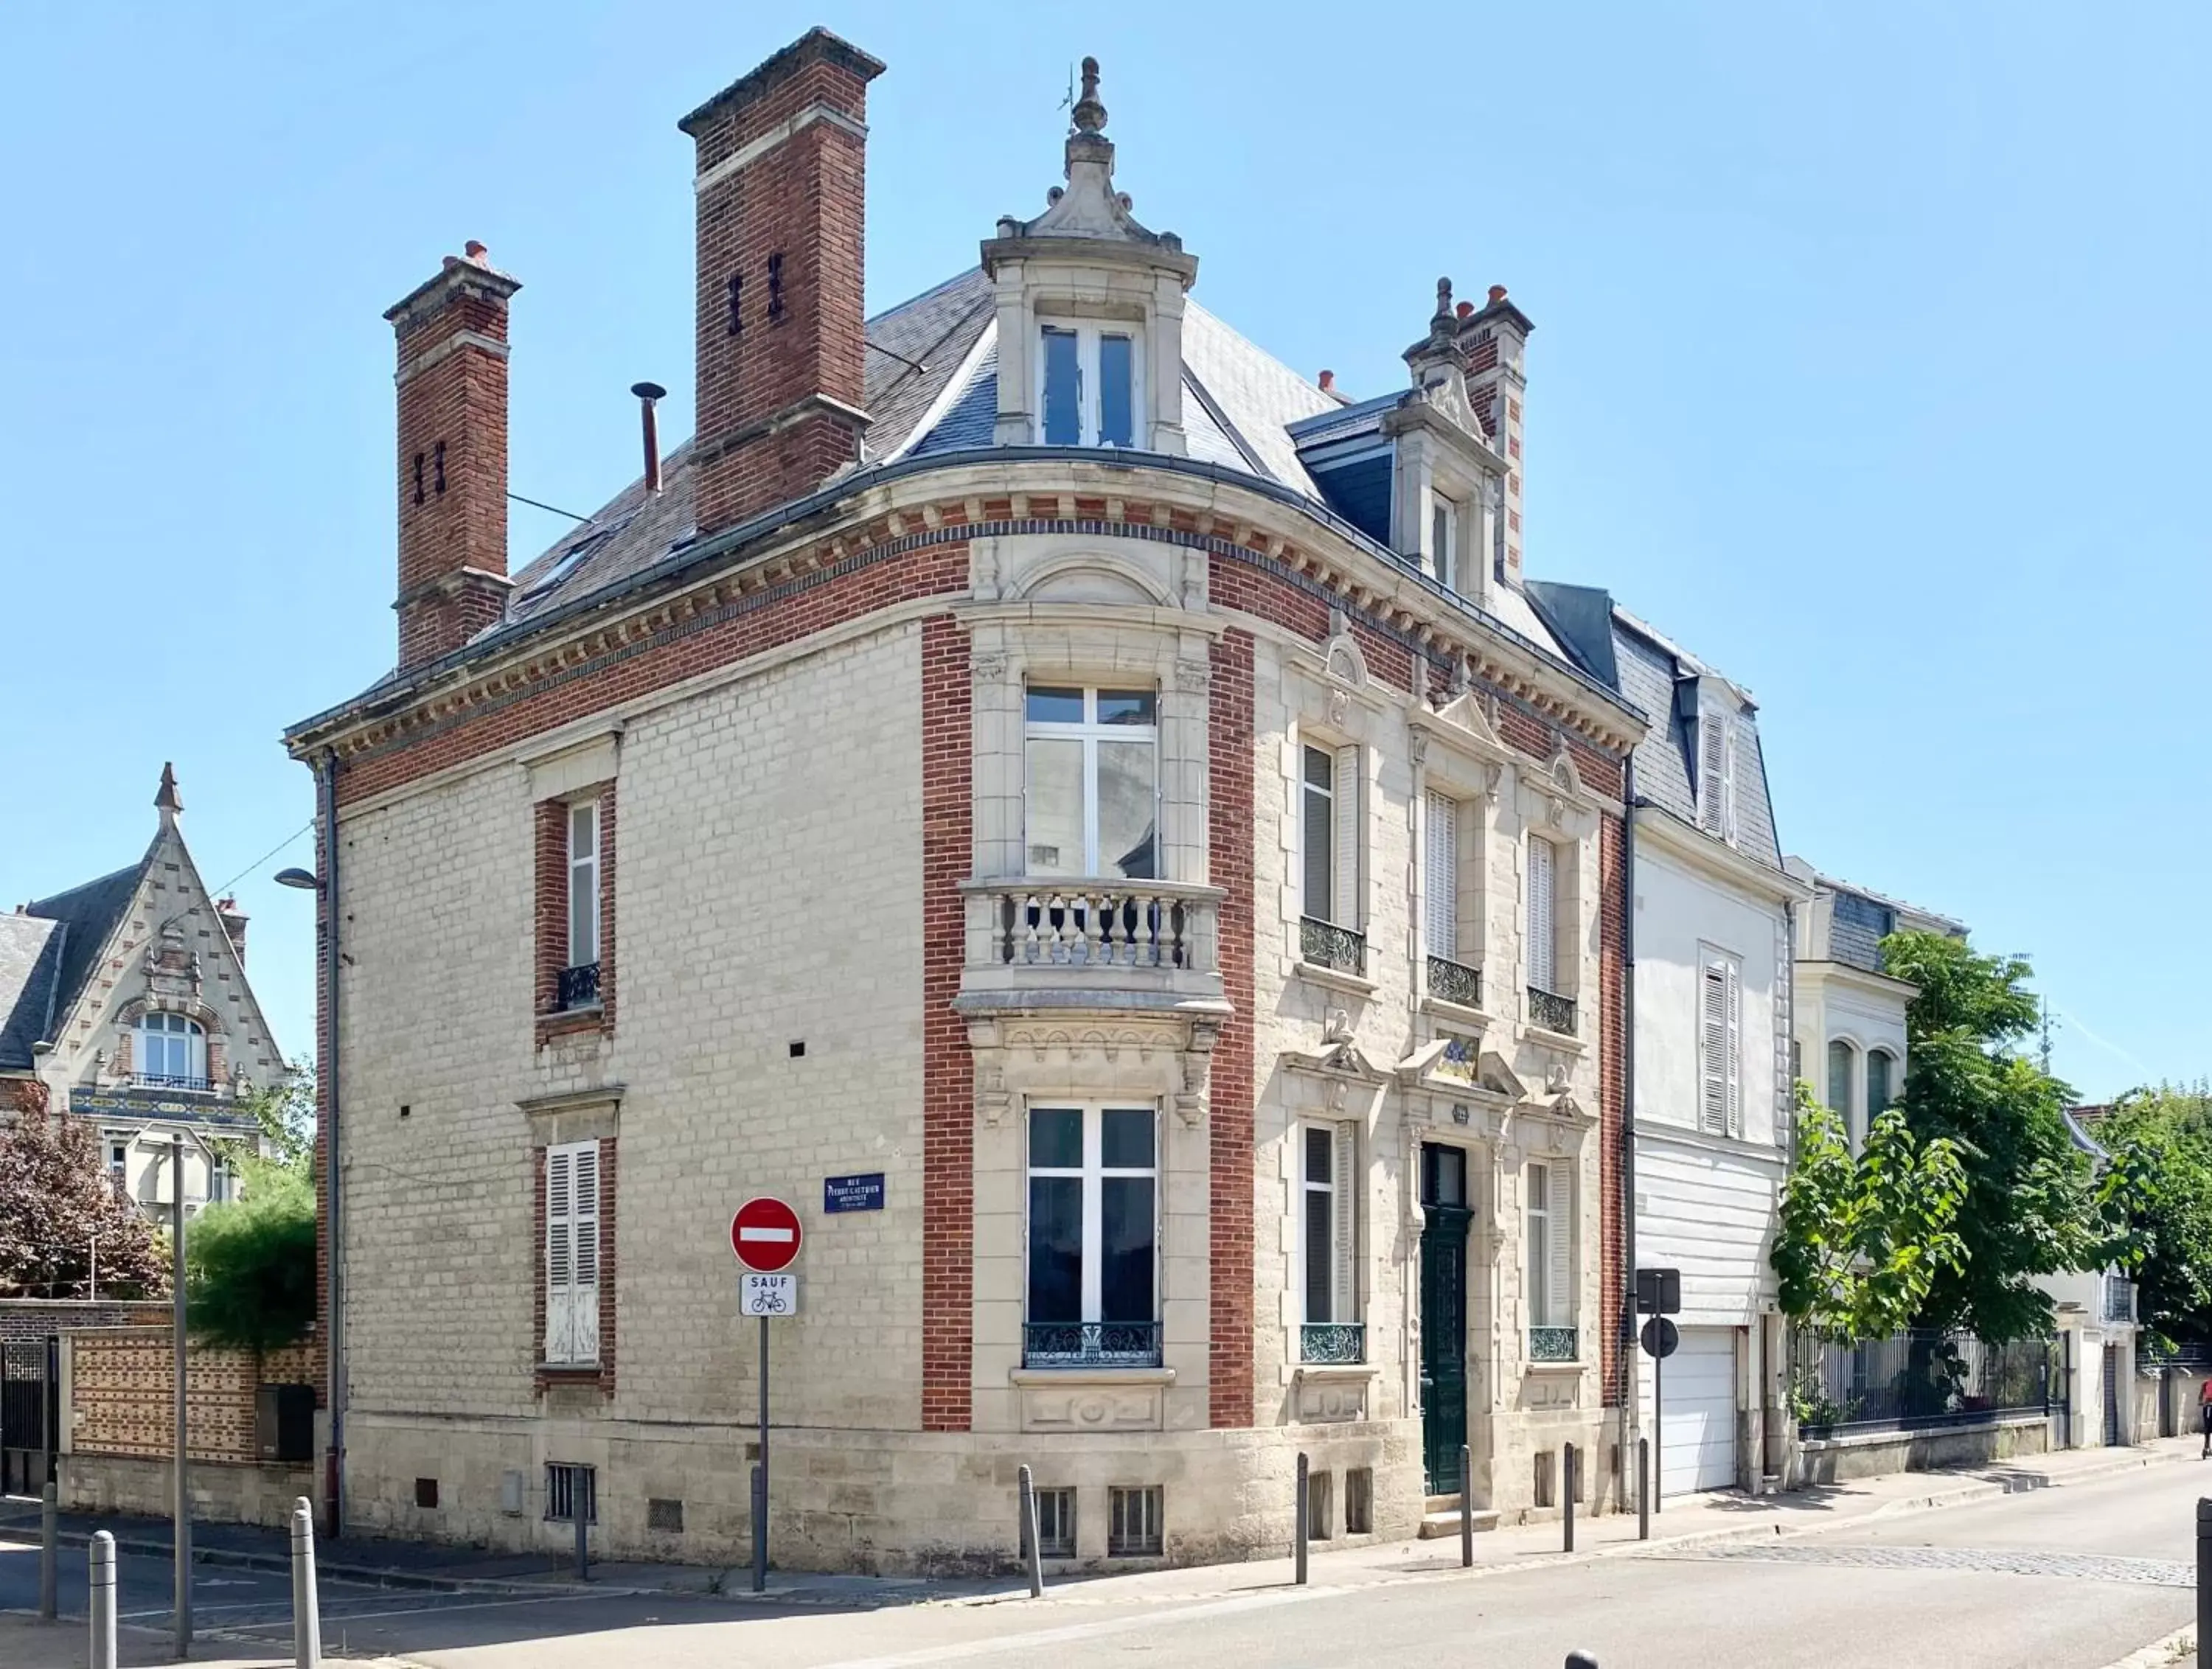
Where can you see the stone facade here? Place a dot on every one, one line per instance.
(842, 954)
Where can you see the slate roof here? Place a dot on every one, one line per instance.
(30, 966)
(90, 913)
(1657, 676)
(931, 389)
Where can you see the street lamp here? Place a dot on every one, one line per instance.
(305, 880)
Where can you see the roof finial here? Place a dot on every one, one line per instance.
(167, 801)
(1089, 115)
(1443, 299)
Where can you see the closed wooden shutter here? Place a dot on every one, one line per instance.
(1562, 1282)
(1441, 883)
(1542, 928)
(1712, 738)
(572, 1252)
(1735, 1050)
(1715, 1073)
(1349, 826)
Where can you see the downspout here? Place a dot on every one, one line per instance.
(1630, 1389)
(333, 1170)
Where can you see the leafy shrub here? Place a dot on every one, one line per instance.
(250, 1263)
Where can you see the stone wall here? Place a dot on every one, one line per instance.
(222, 1492)
(1877, 1453)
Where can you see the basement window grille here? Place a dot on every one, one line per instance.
(566, 1486)
(1132, 1530)
(1359, 1501)
(1055, 1510)
(661, 1513)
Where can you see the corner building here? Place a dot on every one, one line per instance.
(1031, 746)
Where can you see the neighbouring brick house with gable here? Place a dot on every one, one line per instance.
(124, 1002)
(1031, 745)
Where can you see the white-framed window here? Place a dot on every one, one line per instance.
(1090, 384)
(1329, 827)
(1444, 537)
(1091, 770)
(1326, 1194)
(1717, 776)
(219, 1181)
(1551, 1246)
(1719, 1043)
(1839, 1082)
(572, 1253)
(1440, 876)
(1543, 926)
(172, 1052)
(1880, 1074)
(583, 883)
(1092, 1287)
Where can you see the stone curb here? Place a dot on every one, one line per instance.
(2159, 1653)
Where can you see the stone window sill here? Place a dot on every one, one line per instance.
(569, 1370)
(1575, 1366)
(1334, 979)
(1458, 1013)
(1331, 1373)
(1076, 1372)
(1563, 1041)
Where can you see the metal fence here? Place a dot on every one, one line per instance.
(1919, 1381)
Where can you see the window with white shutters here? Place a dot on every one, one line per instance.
(572, 1253)
(1551, 1241)
(1543, 915)
(1717, 776)
(1440, 885)
(1349, 896)
(1720, 1044)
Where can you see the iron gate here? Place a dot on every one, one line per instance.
(30, 1412)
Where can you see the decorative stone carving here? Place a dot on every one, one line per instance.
(988, 667)
(1319, 1396)
(1194, 677)
(1339, 708)
(1090, 1406)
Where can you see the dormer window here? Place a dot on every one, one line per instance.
(1088, 392)
(1444, 537)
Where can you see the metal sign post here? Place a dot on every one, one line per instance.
(1659, 1294)
(765, 1233)
(183, 1503)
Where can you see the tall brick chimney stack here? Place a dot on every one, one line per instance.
(1496, 339)
(781, 191)
(451, 337)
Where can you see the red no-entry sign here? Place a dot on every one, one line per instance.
(765, 1235)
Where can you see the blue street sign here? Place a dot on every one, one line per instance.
(852, 1194)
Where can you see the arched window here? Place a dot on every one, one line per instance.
(1881, 1066)
(1839, 1081)
(172, 1053)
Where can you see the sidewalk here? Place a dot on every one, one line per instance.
(433, 1566)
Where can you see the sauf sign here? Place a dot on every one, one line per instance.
(766, 1236)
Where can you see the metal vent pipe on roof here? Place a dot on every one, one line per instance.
(646, 393)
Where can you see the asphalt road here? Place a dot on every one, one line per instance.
(2069, 1578)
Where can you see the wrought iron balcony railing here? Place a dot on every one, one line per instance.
(580, 987)
(1551, 1343)
(1333, 1342)
(1454, 982)
(1551, 1010)
(197, 1086)
(1091, 1345)
(1325, 944)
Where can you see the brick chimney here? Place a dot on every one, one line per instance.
(234, 924)
(781, 190)
(1496, 339)
(452, 338)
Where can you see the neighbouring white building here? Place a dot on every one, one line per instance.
(1710, 1020)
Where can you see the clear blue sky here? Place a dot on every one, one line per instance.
(1870, 364)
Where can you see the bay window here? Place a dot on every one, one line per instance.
(1093, 1295)
(1088, 386)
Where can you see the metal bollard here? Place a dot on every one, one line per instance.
(2203, 1568)
(1581, 1660)
(306, 1606)
(1643, 1489)
(103, 1600)
(1567, 1495)
(1465, 1505)
(49, 1540)
(1032, 1544)
(1299, 1523)
(760, 1530)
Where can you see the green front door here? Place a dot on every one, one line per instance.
(1443, 1314)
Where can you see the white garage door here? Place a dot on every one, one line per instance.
(1698, 1436)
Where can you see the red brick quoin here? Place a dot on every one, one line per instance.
(1229, 1115)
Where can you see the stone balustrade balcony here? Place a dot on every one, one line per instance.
(1056, 942)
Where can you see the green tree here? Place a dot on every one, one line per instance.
(1862, 1238)
(2029, 1207)
(250, 1263)
(59, 1211)
(285, 1111)
(2157, 1193)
